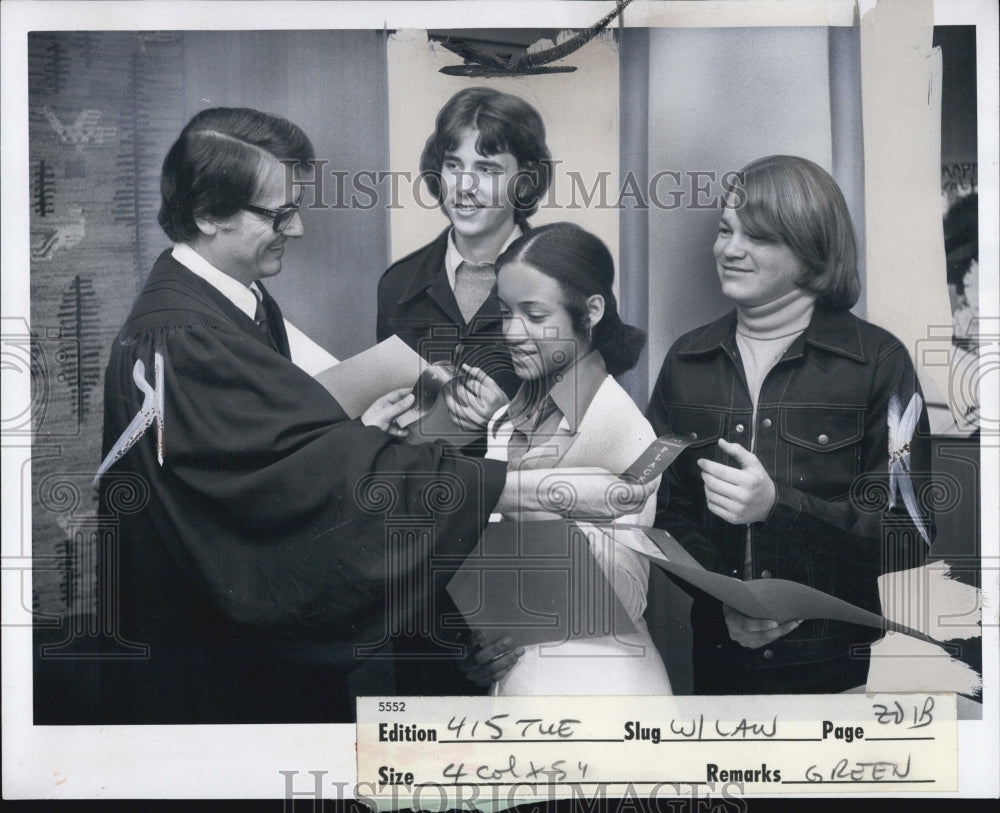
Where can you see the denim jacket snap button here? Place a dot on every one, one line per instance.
(768, 654)
(766, 423)
(823, 440)
(740, 429)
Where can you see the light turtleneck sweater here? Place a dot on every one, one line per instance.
(765, 332)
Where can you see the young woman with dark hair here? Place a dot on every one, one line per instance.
(567, 341)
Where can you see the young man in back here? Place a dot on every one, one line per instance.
(488, 165)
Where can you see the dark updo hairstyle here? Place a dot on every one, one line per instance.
(212, 170)
(582, 265)
(505, 123)
(792, 200)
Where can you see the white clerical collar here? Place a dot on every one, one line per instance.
(305, 352)
(236, 292)
(453, 257)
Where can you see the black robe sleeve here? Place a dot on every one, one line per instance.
(269, 500)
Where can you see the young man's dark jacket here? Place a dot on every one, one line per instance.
(416, 303)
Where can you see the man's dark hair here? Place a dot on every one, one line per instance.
(505, 123)
(211, 170)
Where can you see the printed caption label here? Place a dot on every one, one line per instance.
(448, 752)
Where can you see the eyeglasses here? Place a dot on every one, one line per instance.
(280, 218)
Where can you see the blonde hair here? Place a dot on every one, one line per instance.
(795, 201)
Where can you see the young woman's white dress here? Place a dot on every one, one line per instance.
(610, 435)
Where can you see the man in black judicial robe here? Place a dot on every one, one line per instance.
(249, 512)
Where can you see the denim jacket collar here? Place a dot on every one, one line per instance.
(831, 330)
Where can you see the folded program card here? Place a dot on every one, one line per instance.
(658, 456)
(776, 599)
(538, 582)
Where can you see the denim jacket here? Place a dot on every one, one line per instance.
(821, 434)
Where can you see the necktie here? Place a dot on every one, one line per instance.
(260, 315)
(473, 284)
(269, 321)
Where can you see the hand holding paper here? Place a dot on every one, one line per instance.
(433, 379)
(473, 399)
(360, 381)
(754, 633)
(384, 412)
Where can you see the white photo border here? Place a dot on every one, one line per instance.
(243, 762)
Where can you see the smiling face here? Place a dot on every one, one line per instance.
(246, 246)
(753, 270)
(474, 190)
(537, 326)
